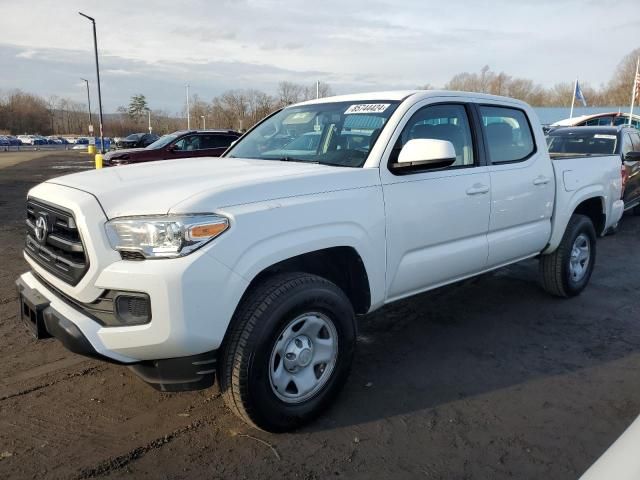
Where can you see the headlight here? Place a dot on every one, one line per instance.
(164, 236)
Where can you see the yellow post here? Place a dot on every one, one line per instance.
(98, 160)
(91, 149)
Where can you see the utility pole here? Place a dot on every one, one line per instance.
(95, 48)
(317, 89)
(89, 104)
(149, 112)
(204, 122)
(188, 116)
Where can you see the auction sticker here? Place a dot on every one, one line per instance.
(367, 108)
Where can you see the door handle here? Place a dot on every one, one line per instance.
(541, 180)
(478, 189)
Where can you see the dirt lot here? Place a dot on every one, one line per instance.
(490, 379)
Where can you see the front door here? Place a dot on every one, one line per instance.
(437, 220)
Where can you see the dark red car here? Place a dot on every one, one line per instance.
(181, 144)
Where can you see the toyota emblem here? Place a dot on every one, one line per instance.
(41, 229)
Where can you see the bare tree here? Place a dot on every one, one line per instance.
(619, 88)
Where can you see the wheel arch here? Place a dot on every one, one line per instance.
(590, 204)
(341, 265)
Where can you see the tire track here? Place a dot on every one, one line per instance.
(113, 464)
(81, 373)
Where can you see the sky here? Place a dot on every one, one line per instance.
(157, 47)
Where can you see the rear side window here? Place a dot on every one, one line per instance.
(635, 138)
(508, 134)
(217, 141)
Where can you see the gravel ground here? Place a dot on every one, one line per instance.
(488, 379)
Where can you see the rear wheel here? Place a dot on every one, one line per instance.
(288, 351)
(566, 271)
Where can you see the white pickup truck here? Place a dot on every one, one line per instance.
(254, 266)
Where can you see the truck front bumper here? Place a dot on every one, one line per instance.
(47, 315)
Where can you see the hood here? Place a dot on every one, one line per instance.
(207, 184)
(131, 153)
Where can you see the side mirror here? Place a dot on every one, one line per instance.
(426, 153)
(632, 157)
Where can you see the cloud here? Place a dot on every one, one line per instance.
(118, 71)
(26, 54)
(355, 45)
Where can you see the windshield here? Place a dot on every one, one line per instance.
(579, 143)
(162, 142)
(338, 133)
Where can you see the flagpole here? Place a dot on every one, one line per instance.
(633, 94)
(573, 97)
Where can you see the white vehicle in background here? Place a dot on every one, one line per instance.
(26, 139)
(613, 119)
(253, 266)
(81, 143)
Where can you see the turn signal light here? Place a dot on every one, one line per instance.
(206, 231)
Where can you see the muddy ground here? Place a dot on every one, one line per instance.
(492, 379)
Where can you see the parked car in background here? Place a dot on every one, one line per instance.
(621, 142)
(181, 144)
(15, 141)
(81, 143)
(137, 140)
(613, 119)
(4, 141)
(253, 267)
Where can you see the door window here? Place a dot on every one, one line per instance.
(189, 143)
(635, 139)
(508, 134)
(440, 122)
(598, 121)
(216, 141)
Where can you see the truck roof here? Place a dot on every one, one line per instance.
(399, 95)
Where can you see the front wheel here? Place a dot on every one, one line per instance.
(566, 271)
(289, 351)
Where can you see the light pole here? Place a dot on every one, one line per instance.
(89, 103)
(149, 112)
(95, 48)
(188, 116)
(204, 122)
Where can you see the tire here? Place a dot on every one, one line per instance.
(556, 273)
(263, 335)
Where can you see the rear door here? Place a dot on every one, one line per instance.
(522, 184)
(436, 219)
(631, 143)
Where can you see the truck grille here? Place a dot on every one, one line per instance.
(54, 242)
